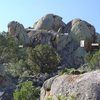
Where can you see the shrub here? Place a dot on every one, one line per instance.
(61, 97)
(72, 71)
(26, 92)
(95, 61)
(44, 57)
(17, 68)
(9, 49)
(88, 57)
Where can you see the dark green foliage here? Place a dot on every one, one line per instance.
(9, 49)
(18, 68)
(95, 61)
(26, 92)
(61, 97)
(11, 55)
(88, 57)
(72, 71)
(44, 57)
(27, 60)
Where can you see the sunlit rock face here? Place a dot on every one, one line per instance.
(81, 87)
(18, 31)
(81, 30)
(49, 22)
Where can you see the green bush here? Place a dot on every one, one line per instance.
(9, 49)
(67, 71)
(72, 71)
(26, 92)
(44, 57)
(18, 68)
(88, 57)
(95, 61)
(11, 55)
(61, 97)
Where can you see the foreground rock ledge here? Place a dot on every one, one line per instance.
(82, 87)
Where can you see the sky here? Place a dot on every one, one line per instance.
(29, 11)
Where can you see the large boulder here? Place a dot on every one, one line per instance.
(29, 37)
(69, 45)
(49, 22)
(81, 30)
(80, 87)
(18, 31)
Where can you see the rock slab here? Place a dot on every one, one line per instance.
(81, 87)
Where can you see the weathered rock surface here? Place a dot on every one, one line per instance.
(49, 22)
(81, 87)
(18, 31)
(97, 38)
(40, 37)
(81, 30)
(79, 55)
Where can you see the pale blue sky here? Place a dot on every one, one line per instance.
(29, 11)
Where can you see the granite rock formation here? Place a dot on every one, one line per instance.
(65, 38)
(49, 22)
(81, 87)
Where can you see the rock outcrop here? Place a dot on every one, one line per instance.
(82, 30)
(19, 32)
(65, 38)
(49, 22)
(81, 87)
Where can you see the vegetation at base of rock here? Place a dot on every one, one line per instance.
(70, 97)
(28, 60)
(44, 57)
(26, 92)
(18, 69)
(95, 61)
(88, 57)
(8, 48)
(72, 71)
(61, 97)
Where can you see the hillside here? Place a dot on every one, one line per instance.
(50, 48)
